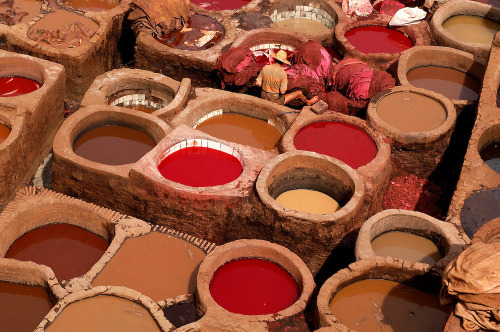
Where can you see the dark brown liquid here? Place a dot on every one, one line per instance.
(113, 145)
(491, 155)
(92, 5)
(70, 251)
(242, 129)
(374, 305)
(4, 132)
(157, 265)
(22, 307)
(449, 82)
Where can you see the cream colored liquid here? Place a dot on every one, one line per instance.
(104, 313)
(302, 25)
(406, 246)
(474, 29)
(309, 201)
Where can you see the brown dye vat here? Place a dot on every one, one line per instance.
(19, 11)
(157, 265)
(104, 313)
(91, 5)
(307, 200)
(302, 25)
(412, 112)
(200, 33)
(406, 246)
(241, 129)
(387, 306)
(57, 246)
(113, 145)
(22, 307)
(4, 132)
(450, 82)
(474, 29)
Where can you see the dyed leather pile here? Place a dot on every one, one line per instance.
(236, 67)
(473, 279)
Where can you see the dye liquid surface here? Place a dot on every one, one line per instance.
(378, 39)
(376, 305)
(406, 246)
(12, 86)
(22, 307)
(242, 129)
(411, 112)
(253, 286)
(302, 25)
(491, 155)
(4, 132)
(57, 245)
(104, 313)
(309, 201)
(474, 29)
(221, 4)
(92, 5)
(479, 208)
(449, 82)
(113, 145)
(339, 140)
(200, 167)
(157, 265)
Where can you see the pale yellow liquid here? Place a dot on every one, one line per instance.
(309, 201)
(474, 29)
(302, 25)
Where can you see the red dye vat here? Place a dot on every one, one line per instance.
(70, 251)
(12, 86)
(221, 5)
(339, 140)
(378, 39)
(200, 167)
(253, 286)
(263, 59)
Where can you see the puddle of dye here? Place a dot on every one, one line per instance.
(57, 245)
(411, 112)
(242, 129)
(302, 25)
(307, 200)
(479, 208)
(63, 29)
(449, 82)
(12, 86)
(474, 29)
(340, 140)
(200, 167)
(4, 132)
(490, 153)
(253, 286)
(221, 5)
(92, 5)
(200, 33)
(19, 11)
(181, 314)
(381, 305)
(104, 313)
(22, 307)
(113, 145)
(378, 39)
(157, 265)
(262, 59)
(406, 246)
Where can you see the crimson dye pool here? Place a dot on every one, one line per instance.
(253, 286)
(12, 86)
(200, 167)
(221, 4)
(4, 132)
(378, 39)
(340, 140)
(70, 251)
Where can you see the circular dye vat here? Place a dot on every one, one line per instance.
(104, 313)
(302, 25)
(12, 86)
(140, 102)
(4, 132)
(92, 5)
(340, 140)
(221, 5)
(200, 33)
(308, 201)
(378, 305)
(22, 307)
(490, 153)
(449, 82)
(378, 39)
(411, 112)
(474, 29)
(479, 208)
(57, 246)
(113, 145)
(253, 286)
(406, 246)
(241, 129)
(200, 167)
